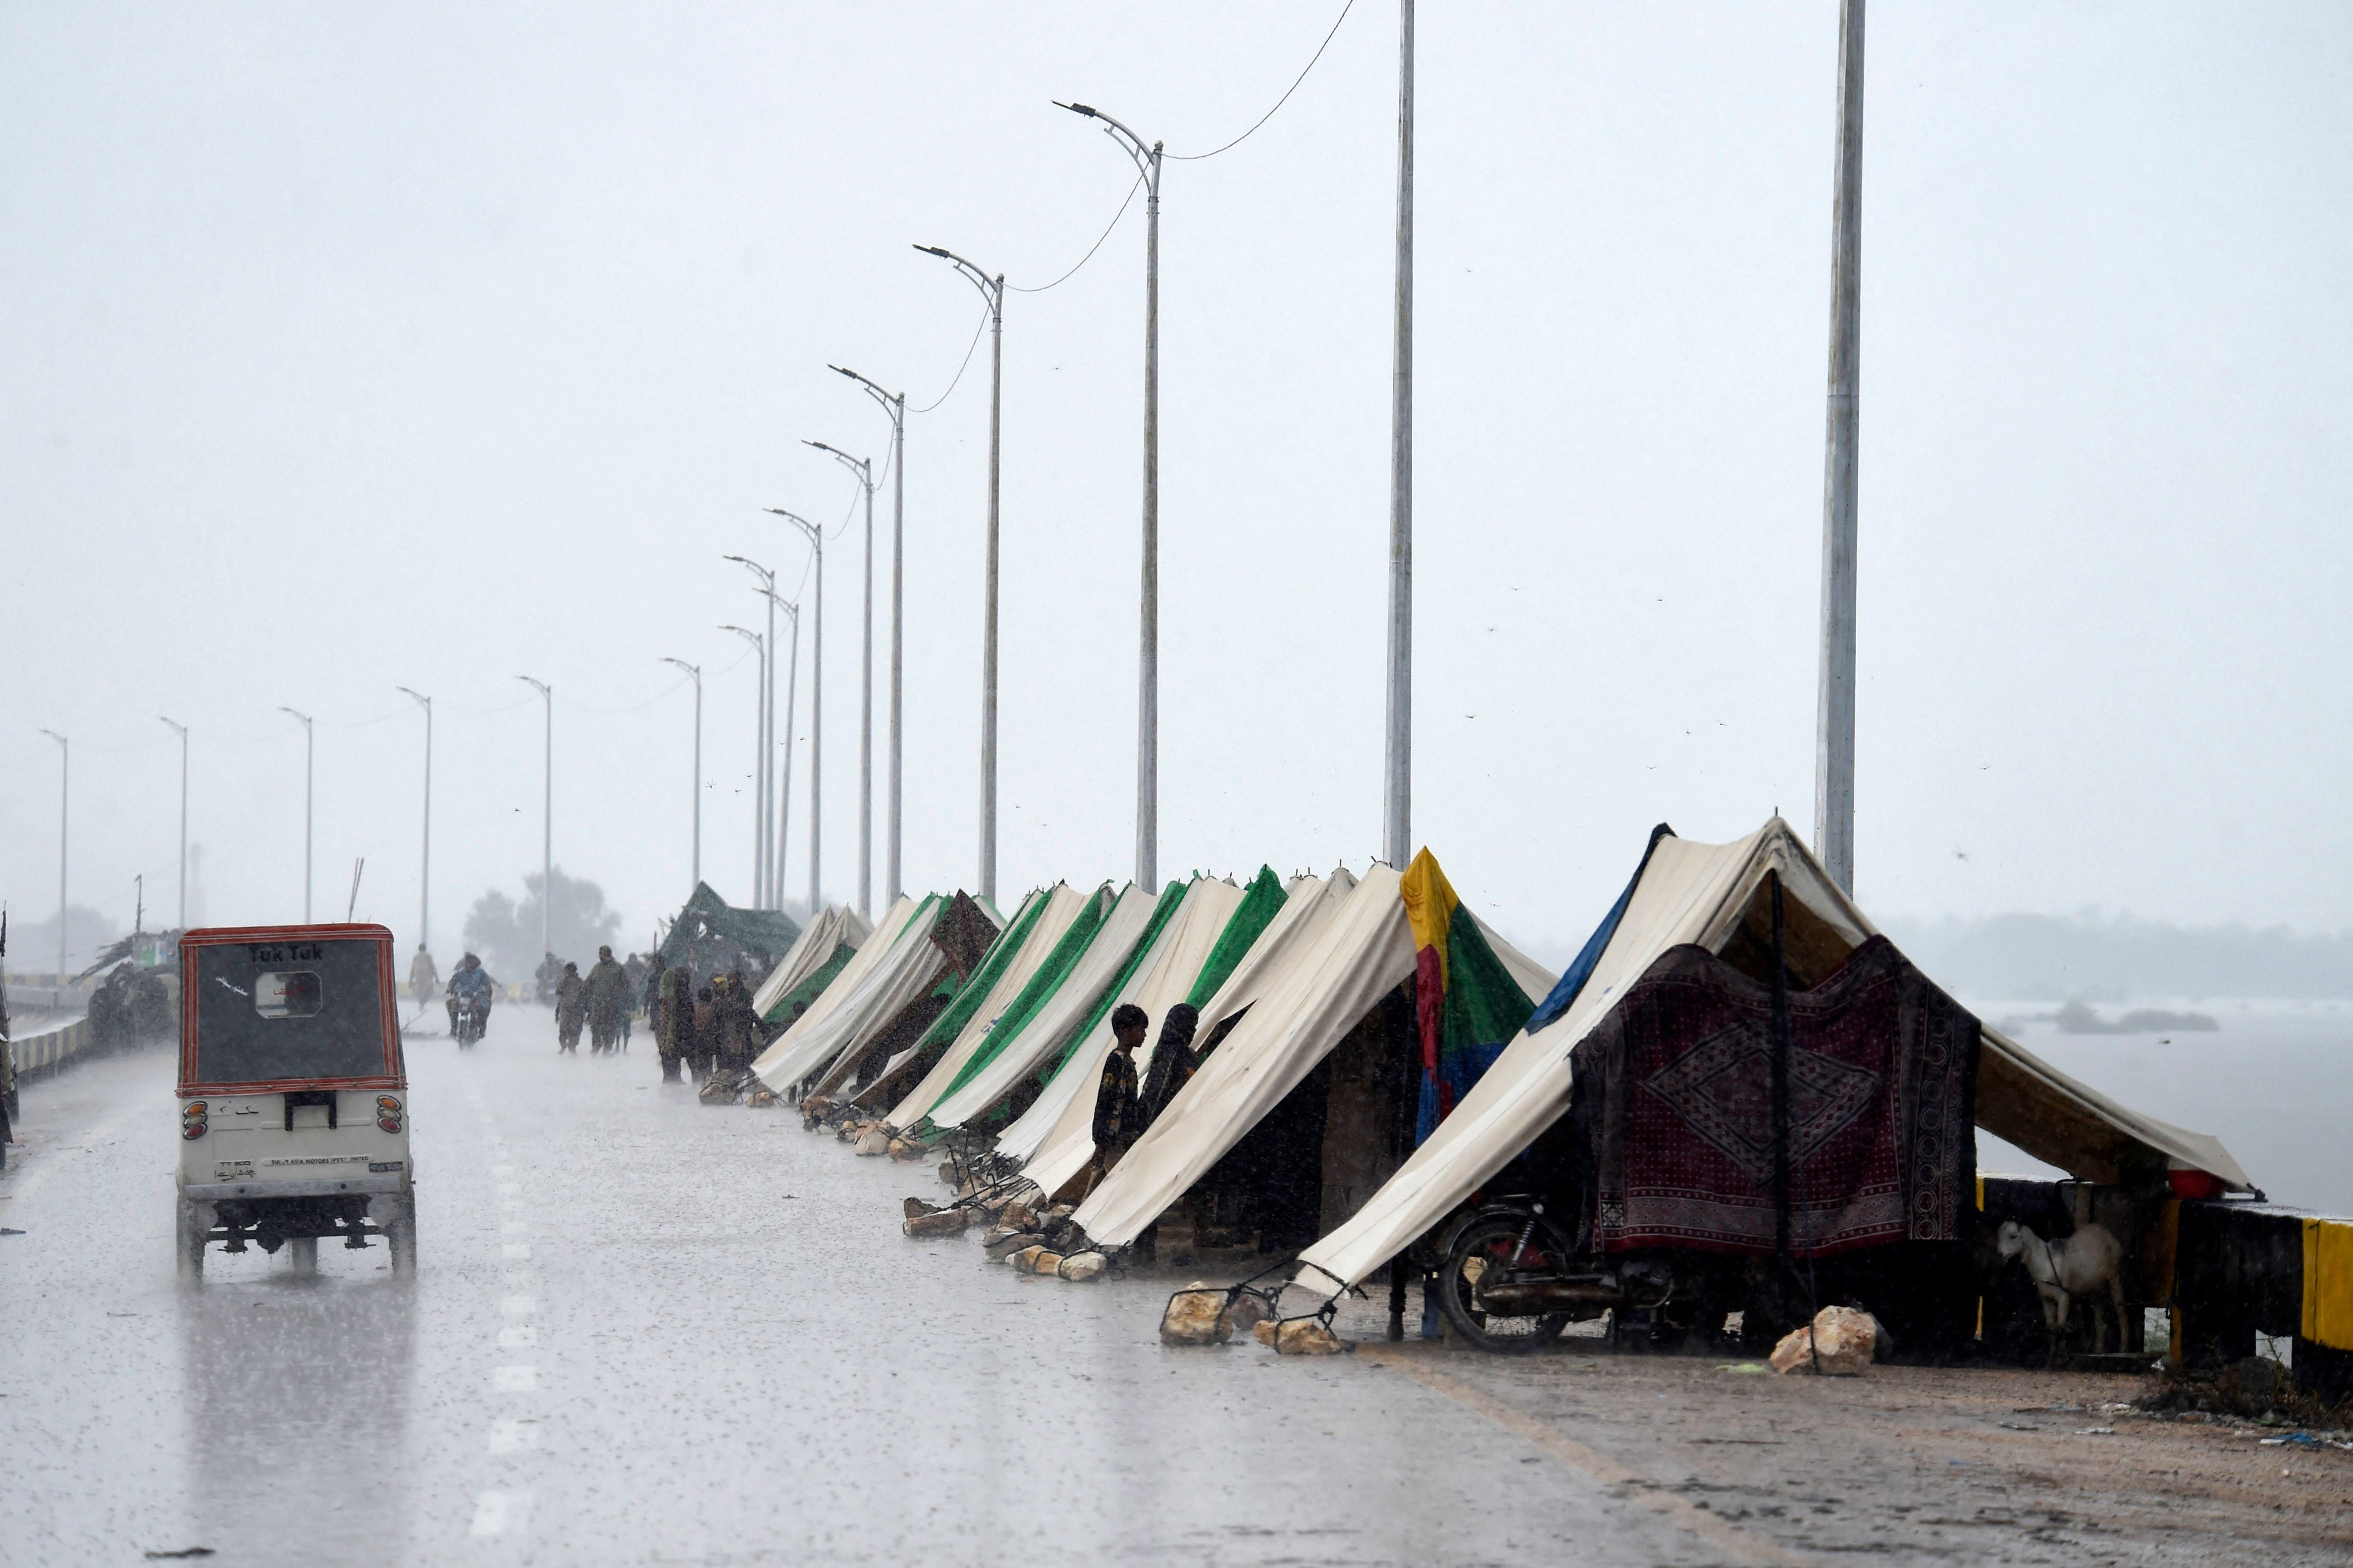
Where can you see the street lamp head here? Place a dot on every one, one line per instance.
(175, 724)
(419, 696)
(297, 713)
(1076, 107)
(693, 669)
(545, 689)
(934, 250)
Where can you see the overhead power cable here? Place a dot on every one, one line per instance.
(969, 347)
(1196, 157)
(1090, 256)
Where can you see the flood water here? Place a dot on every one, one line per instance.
(2274, 1083)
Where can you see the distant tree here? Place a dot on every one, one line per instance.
(506, 932)
(33, 944)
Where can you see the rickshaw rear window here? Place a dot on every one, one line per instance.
(287, 994)
(291, 1009)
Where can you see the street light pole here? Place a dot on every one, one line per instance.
(1834, 713)
(183, 731)
(785, 790)
(992, 288)
(760, 738)
(766, 894)
(310, 736)
(895, 408)
(546, 816)
(862, 469)
(1147, 705)
(816, 536)
(1396, 827)
(695, 670)
(424, 870)
(65, 770)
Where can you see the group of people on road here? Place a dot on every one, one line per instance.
(701, 1029)
(600, 1000)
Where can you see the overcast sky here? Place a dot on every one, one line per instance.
(352, 346)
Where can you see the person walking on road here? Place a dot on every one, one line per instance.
(424, 980)
(738, 1027)
(608, 1002)
(649, 992)
(673, 1023)
(705, 1036)
(571, 1007)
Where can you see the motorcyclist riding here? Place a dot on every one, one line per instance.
(470, 986)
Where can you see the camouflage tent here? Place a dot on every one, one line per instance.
(711, 934)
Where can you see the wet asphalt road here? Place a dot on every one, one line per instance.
(644, 1331)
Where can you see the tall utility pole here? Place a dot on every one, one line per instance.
(785, 790)
(992, 288)
(1147, 703)
(424, 868)
(766, 893)
(760, 738)
(816, 537)
(546, 814)
(862, 469)
(1397, 826)
(310, 736)
(65, 772)
(894, 405)
(695, 671)
(182, 730)
(1835, 725)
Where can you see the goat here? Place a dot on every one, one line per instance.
(2085, 1265)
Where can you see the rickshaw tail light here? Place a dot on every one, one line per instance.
(193, 1129)
(193, 1111)
(386, 1105)
(390, 1123)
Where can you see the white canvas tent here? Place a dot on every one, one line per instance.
(817, 1035)
(1054, 1139)
(1307, 1002)
(836, 927)
(1064, 904)
(1051, 1024)
(1704, 893)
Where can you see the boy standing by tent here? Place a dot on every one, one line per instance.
(1119, 1120)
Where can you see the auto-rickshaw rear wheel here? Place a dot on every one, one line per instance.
(400, 1232)
(189, 1241)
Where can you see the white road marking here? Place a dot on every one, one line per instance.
(518, 1249)
(515, 1379)
(520, 1306)
(515, 1227)
(518, 1338)
(496, 1513)
(513, 1436)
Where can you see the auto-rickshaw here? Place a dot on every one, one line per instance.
(293, 1094)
